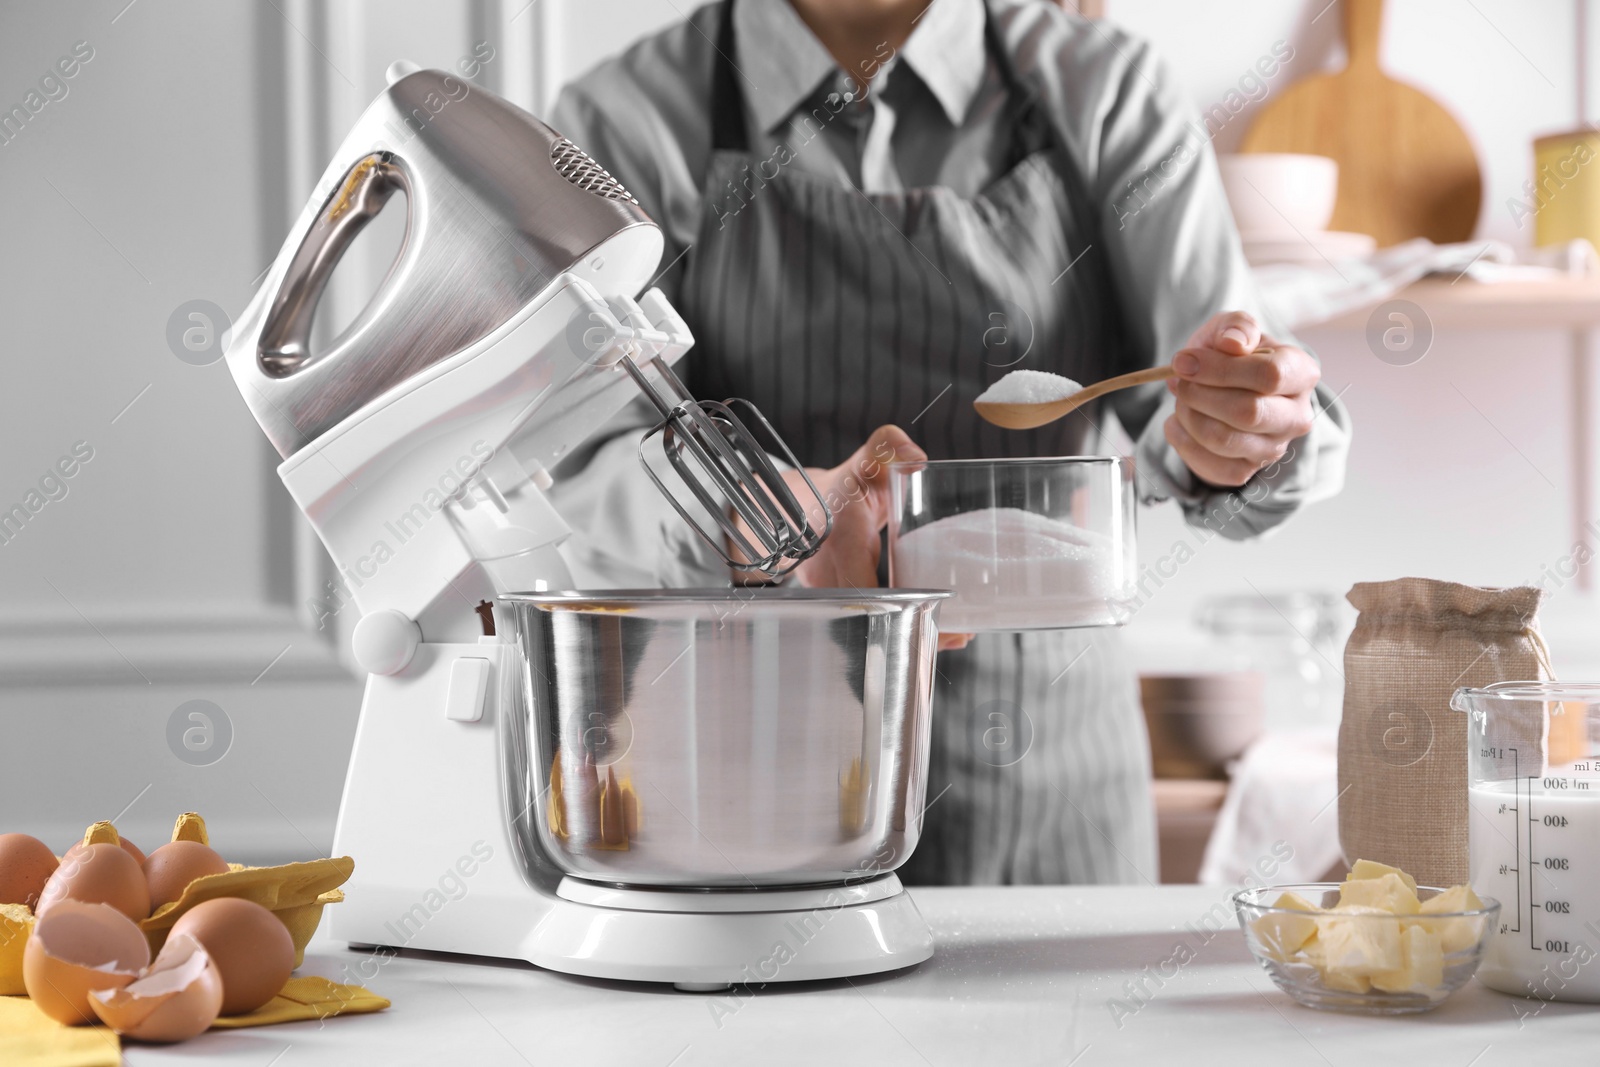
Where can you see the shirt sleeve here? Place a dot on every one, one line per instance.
(1176, 260)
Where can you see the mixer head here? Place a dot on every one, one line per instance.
(500, 212)
(497, 206)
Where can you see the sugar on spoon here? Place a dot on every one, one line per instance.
(1025, 399)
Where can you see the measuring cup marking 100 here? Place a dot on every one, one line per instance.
(1535, 846)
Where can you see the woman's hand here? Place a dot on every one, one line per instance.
(1238, 411)
(857, 492)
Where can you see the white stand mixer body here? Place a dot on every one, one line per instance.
(427, 514)
(424, 809)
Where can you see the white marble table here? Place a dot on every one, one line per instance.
(1021, 976)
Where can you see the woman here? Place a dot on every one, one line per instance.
(874, 209)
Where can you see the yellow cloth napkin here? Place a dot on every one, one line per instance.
(30, 1038)
(307, 997)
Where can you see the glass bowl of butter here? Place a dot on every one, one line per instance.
(1376, 943)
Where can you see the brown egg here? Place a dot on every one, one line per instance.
(250, 946)
(127, 846)
(176, 999)
(76, 948)
(171, 868)
(26, 864)
(99, 874)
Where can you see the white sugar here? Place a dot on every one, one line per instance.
(1011, 569)
(1030, 387)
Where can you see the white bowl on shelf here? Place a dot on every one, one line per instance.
(1280, 194)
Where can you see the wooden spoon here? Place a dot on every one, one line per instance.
(1031, 416)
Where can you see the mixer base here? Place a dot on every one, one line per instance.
(714, 941)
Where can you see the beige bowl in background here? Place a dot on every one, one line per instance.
(1199, 723)
(1280, 194)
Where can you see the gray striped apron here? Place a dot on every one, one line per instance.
(836, 312)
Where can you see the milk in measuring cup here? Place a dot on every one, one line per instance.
(1535, 845)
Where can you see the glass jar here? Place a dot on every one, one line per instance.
(1293, 640)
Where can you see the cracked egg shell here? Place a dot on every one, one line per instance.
(77, 947)
(179, 997)
(26, 864)
(250, 946)
(99, 874)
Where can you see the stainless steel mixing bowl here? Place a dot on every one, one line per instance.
(720, 738)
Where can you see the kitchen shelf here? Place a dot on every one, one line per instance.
(1558, 304)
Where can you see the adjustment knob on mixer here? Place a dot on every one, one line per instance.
(384, 641)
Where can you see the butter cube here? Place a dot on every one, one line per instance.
(1458, 934)
(1346, 983)
(1365, 869)
(1386, 892)
(1358, 941)
(1421, 967)
(1283, 935)
(1316, 954)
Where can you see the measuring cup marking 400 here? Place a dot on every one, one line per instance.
(1534, 801)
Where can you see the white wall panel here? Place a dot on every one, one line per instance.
(583, 33)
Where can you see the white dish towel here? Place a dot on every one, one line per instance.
(1283, 792)
(1296, 295)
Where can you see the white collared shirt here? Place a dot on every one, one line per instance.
(909, 130)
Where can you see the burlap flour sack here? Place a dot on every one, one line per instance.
(1402, 749)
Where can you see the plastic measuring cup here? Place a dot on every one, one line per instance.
(1533, 789)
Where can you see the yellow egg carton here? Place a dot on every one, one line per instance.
(16, 923)
(295, 892)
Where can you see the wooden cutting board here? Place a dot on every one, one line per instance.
(1406, 168)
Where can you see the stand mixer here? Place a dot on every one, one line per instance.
(419, 446)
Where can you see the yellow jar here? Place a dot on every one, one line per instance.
(1564, 195)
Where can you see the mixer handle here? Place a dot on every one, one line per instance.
(286, 335)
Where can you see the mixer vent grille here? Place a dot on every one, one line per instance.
(573, 164)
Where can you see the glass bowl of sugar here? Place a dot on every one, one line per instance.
(1024, 544)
